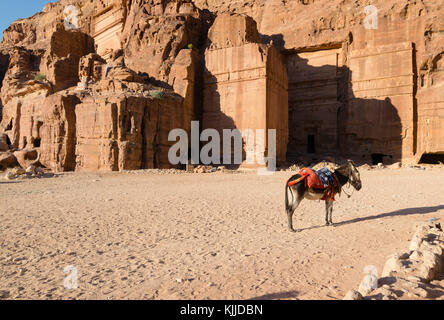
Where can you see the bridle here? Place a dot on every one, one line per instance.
(349, 187)
(349, 184)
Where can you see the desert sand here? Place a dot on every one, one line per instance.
(150, 235)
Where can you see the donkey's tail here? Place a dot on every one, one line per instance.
(287, 205)
(291, 182)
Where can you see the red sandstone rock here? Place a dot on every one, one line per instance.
(27, 157)
(352, 91)
(348, 72)
(60, 64)
(183, 78)
(155, 32)
(109, 134)
(229, 30)
(245, 93)
(57, 133)
(4, 146)
(125, 132)
(7, 160)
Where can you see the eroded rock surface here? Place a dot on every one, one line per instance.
(327, 76)
(416, 273)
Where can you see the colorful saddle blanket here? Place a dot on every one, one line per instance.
(322, 179)
(326, 177)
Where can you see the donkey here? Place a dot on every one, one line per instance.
(294, 194)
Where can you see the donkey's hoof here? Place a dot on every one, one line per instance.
(294, 230)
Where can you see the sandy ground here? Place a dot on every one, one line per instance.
(144, 235)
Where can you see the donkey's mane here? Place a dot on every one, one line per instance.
(342, 169)
(341, 173)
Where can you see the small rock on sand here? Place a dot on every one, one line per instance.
(10, 176)
(4, 294)
(353, 295)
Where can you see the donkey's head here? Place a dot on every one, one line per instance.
(353, 175)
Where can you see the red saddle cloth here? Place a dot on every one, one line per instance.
(313, 181)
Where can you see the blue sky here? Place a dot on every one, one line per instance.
(11, 10)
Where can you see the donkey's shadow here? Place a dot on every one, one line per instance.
(401, 212)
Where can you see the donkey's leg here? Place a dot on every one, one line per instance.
(327, 209)
(331, 213)
(290, 213)
(328, 212)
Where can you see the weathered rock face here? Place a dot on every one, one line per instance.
(7, 160)
(47, 126)
(36, 31)
(4, 145)
(58, 132)
(354, 88)
(156, 31)
(60, 64)
(107, 25)
(230, 31)
(411, 274)
(114, 140)
(125, 132)
(69, 108)
(91, 68)
(183, 79)
(19, 77)
(245, 93)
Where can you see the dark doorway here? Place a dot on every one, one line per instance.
(432, 158)
(36, 143)
(8, 141)
(311, 144)
(10, 125)
(379, 158)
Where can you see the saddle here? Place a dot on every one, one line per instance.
(321, 180)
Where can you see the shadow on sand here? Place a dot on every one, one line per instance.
(277, 296)
(401, 212)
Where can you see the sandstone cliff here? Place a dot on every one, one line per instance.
(87, 98)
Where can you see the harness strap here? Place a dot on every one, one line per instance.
(348, 195)
(330, 190)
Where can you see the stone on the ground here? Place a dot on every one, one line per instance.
(31, 169)
(353, 295)
(19, 171)
(410, 273)
(4, 294)
(7, 160)
(395, 165)
(365, 287)
(10, 176)
(392, 266)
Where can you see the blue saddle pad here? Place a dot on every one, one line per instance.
(326, 177)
